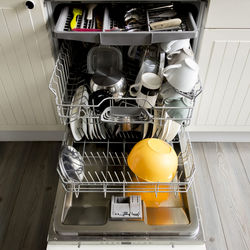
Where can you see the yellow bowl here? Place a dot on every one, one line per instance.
(149, 198)
(153, 160)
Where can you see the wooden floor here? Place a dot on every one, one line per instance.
(28, 182)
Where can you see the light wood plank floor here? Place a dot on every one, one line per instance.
(223, 189)
(28, 182)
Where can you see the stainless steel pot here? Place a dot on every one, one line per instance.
(115, 83)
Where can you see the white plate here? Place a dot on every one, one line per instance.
(173, 129)
(75, 122)
(164, 130)
(96, 130)
(85, 100)
(102, 130)
(91, 129)
(145, 130)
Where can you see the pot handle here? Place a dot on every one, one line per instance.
(170, 56)
(169, 46)
(167, 70)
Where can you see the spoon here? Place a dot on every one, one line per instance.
(90, 7)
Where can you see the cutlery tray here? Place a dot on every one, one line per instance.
(108, 36)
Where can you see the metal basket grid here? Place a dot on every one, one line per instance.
(64, 84)
(107, 171)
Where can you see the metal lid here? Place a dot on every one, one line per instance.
(106, 78)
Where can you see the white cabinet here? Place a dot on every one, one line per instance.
(224, 59)
(26, 65)
(231, 14)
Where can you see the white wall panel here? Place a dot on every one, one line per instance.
(225, 72)
(26, 65)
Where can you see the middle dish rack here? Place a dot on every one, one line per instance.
(66, 79)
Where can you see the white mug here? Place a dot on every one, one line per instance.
(175, 45)
(180, 55)
(149, 87)
(182, 76)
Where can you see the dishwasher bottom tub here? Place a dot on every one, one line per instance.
(84, 217)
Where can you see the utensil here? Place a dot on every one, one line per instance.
(165, 24)
(76, 13)
(153, 160)
(71, 164)
(91, 7)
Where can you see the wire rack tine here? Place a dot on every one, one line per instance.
(118, 158)
(124, 179)
(129, 176)
(110, 176)
(94, 158)
(111, 156)
(116, 176)
(104, 176)
(91, 176)
(97, 176)
(99, 157)
(86, 155)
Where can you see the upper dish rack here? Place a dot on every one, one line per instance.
(64, 83)
(106, 35)
(106, 170)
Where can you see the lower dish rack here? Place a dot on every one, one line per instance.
(105, 168)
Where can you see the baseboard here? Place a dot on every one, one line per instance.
(31, 135)
(58, 136)
(219, 136)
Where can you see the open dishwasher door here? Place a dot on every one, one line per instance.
(109, 207)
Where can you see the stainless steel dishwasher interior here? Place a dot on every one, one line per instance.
(89, 213)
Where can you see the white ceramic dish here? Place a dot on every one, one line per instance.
(75, 122)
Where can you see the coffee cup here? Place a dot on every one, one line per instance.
(182, 76)
(180, 55)
(168, 93)
(148, 89)
(148, 66)
(175, 45)
(179, 110)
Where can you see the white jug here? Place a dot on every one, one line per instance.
(182, 76)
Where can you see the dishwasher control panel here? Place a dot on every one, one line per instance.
(126, 207)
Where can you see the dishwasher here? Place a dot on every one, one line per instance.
(102, 203)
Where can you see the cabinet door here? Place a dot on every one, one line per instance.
(26, 65)
(225, 72)
(228, 14)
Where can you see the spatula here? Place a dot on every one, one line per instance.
(76, 13)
